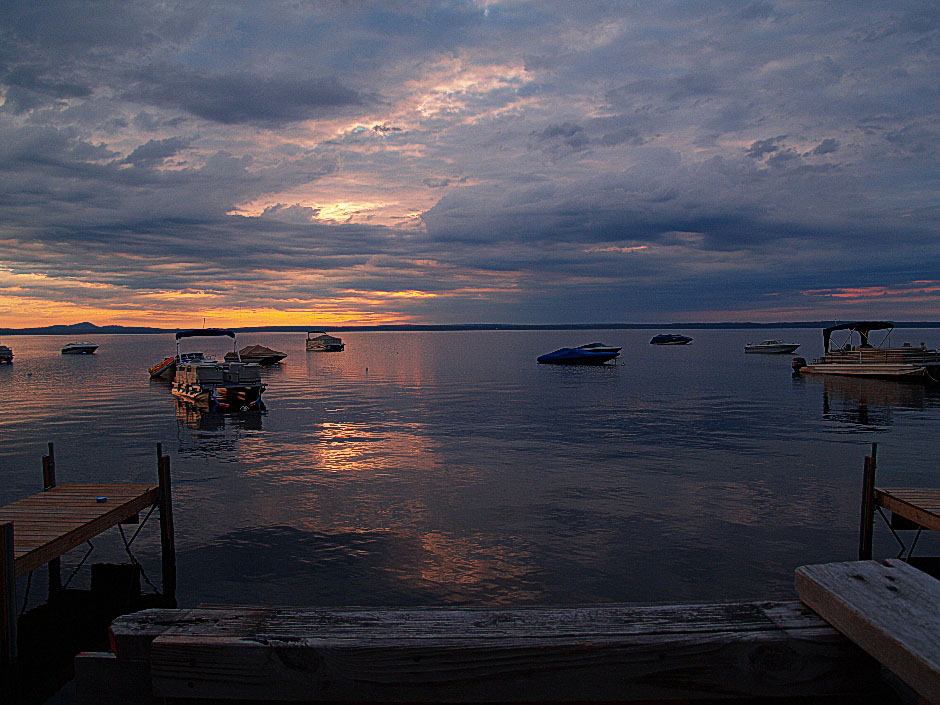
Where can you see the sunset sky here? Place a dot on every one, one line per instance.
(485, 161)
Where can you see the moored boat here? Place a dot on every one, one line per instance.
(599, 347)
(771, 347)
(591, 354)
(6, 355)
(258, 354)
(167, 367)
(670, 339)
(857, 357)
(318, 341)
(79, 348)
(201, 380)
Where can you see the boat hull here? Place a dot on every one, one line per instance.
(73, 349)
(670, 339)
(575, 356)
(771, 349)
(223, 398)
(912, 373)
(256, 354)
(165, 369)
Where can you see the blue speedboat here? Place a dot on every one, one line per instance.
(590, 354)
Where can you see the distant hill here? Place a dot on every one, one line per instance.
(76, 329)
(86, 329)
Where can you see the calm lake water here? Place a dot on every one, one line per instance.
(448, 467)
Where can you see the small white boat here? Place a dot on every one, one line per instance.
(79, 348)
(318, 341)
(6, 355)
(771, 347)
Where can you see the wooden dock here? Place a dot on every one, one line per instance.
(37, 530)
(56, 520)
(911, 508)
(920, 506)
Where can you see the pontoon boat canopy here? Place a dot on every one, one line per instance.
(204, 332)
(863, 328)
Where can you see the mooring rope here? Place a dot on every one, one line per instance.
(29, 581)
(91, 547)
(130, 554)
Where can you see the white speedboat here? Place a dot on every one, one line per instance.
(857, 357)
(79, 348)
(6, 355)
(318, 341)
(771, 347)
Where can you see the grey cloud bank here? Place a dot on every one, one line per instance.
(462, 162)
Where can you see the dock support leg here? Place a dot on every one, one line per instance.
(167, 543)
(55, 565)
(866, 529)
(7, 614)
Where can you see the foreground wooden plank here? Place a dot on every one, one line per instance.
(476, 655)
(891, 610)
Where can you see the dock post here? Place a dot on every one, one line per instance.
(7, 613)
(868, 510)
(55, 565)
(167, 543)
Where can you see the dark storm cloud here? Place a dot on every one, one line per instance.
(761, 148)
(240, 97)
(827, 146)
(156, 151)
(567, 135)
(603, 159)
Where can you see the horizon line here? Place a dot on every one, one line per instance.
(85, 326)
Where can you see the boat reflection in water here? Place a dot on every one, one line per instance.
(201, 419)
(873, 402)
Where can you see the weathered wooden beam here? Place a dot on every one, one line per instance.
(476, 655)
(167, 541)
(7, 595)
(867, 525)
(7, 614)
(890, 610)
(100, 679)
(48, 482)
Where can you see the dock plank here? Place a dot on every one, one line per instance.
(475, 655)
(889, 609)
(49, 523)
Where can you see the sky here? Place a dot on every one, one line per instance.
(480, 161)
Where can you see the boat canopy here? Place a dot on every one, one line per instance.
(204, 332)
(863, 328)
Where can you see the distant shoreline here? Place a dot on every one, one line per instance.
(92, 329)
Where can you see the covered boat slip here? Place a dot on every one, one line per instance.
(38, 530)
